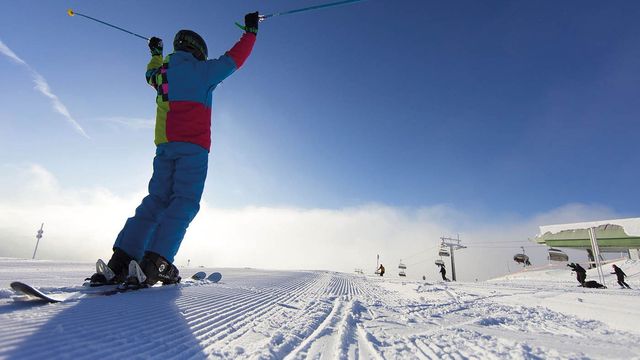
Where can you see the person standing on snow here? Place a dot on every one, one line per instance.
(581, 273)
(621, 275)
(184, 82)
(443, 272)
(381, 270)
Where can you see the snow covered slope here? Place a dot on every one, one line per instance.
(319, 314)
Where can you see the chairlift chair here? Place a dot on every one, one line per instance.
(444, 251)
(439, 262)
(557, 255)
(402, 266)
(402, 273)
(522, 259)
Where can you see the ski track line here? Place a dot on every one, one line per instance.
(348, 331)
(213, 327)
(279, 309)
(301, 351)
(414, 350)
(206, 308)
(340, 285)
(369, 349)
(446, 351)
(293, 335)
(175, 342)
(271, 330)
(413, 341)
(196, 308)
(276, 299)
(426, 351)
(288, 337)
(450, 349)
(267, 306)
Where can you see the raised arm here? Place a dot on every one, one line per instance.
(242, 49)
(232, 60)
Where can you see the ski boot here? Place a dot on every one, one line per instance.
(152, 268)
(114, 272)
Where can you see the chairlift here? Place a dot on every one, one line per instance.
(402, 266)
(557, 255)
(439, 262)
(402, 273)
(444, 251)
(522, 259)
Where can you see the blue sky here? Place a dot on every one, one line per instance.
(505, 106)
(494, 108)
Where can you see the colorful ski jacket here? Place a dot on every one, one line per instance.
(184, 88)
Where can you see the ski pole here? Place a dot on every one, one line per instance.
(72, 13)
(309, 8)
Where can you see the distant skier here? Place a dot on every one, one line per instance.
(184, 81)
(621, 275)
(581, 273)
(380, 270)
(443, 272)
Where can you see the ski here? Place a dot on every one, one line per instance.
(27, 292)
(31, 292)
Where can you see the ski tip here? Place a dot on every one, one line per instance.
(200, 275)
(17, 285)
(215, 277)
(32, 293)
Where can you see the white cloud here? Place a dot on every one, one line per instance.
(4, 49)
(131, 122)
(43, 87)
(81, 224)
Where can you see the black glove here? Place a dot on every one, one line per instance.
(155, 45)
(251, 21)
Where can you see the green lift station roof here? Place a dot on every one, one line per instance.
(612, 235)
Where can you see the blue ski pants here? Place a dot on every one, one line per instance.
(175, 190)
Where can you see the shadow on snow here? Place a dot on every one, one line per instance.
(145, 324)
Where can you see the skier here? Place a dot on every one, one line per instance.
(621, 275)
(443, 272)
(184, 81)
(380, 270)
(581, 273)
